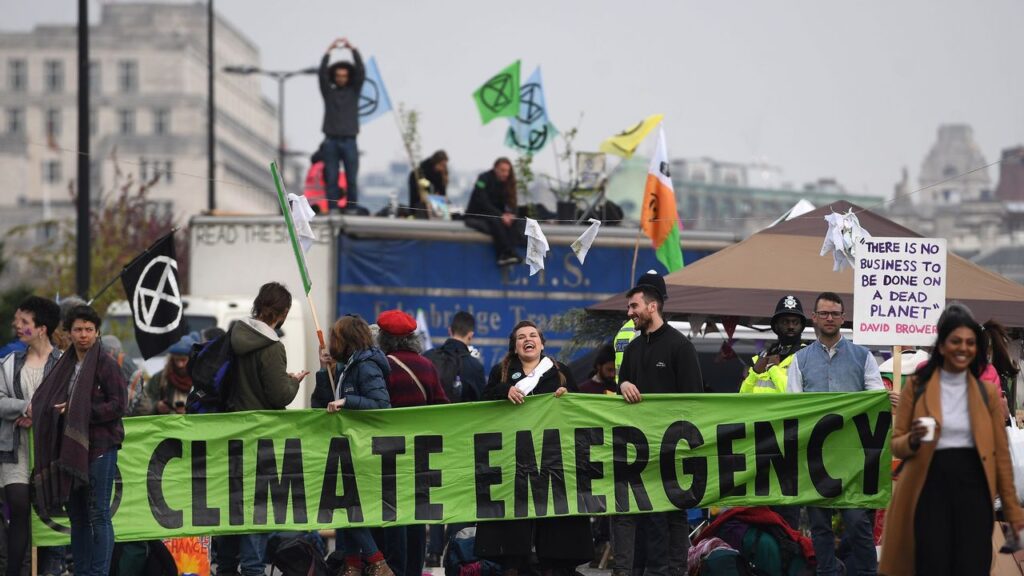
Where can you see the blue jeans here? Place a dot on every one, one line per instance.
(92, 534)
(245, 550)
(860, 532)
(356, 542)
(340, 149)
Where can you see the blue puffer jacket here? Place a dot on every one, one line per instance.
(364, 385)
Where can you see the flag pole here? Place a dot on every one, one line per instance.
(300, 260)
(636, 252)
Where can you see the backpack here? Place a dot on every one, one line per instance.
(449, 371)
(724, 562)
(211, 366)
(460, 558)
(294, 555)
(771, 552)
(149, 558)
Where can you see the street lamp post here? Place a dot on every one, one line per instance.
(280, 77)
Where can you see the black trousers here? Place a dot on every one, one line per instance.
(954, 516)
(505, 238)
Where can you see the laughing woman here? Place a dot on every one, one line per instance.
(940, 518)
(561, 543)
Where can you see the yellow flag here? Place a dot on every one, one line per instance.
(625, 143)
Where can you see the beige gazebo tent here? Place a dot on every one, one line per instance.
(747, 279)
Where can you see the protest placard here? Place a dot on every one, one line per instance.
(899, 291)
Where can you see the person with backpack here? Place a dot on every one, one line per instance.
(258, 380)
(462, 377)
(940, 518)
(561, 543)
(360, 376)
(21, 372)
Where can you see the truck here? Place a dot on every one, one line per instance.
(428, 268)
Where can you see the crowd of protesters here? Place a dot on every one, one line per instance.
(70, 389)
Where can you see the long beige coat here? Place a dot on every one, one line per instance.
(990, 440)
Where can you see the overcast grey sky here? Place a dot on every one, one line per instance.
(851, 90)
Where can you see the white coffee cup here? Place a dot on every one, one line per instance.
(929, 423)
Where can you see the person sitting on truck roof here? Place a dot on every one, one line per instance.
(434, 173)
(492, 210)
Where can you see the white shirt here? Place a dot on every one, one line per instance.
(872, 376)
(956, 417)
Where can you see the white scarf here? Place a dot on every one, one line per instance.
(529, 382)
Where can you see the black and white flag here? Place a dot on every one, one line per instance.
(151, 285)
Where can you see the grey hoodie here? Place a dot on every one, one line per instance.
(261, 373)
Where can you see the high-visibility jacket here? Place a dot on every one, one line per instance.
(772, 380)
(625, 335)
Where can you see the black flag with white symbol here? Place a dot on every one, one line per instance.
(151, 285)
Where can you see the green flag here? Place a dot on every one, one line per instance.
(499, 96)
(299, 256)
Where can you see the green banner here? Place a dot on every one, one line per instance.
(579, 454)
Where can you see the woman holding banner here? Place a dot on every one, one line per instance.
(360, 374)
(562, 543)
(949, 432)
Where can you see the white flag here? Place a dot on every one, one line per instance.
(536, 246)
(302, 215)
(843, 236)
(423, 330)
(582, 244)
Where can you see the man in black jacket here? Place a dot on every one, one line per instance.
(463, 379)
(658, 361)
(340, 85)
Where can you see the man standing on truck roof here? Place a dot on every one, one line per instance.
(340, 85)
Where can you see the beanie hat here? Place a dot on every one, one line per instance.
(653, 281)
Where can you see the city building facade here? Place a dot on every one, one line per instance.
(148, 112)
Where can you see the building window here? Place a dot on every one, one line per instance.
(17, 75)
(128, 76)
(126, 122)
(168, 174)
(143, 170)
(51, 171)
(15, 120)
(94, 121)
(95, 77)
(52, 122)
(53, 74)
(161, 121)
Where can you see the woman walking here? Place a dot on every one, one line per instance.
(949, 432)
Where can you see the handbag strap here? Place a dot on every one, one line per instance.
(410, 373)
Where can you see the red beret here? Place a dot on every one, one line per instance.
(396, 323)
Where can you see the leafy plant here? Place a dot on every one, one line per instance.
(124, 221)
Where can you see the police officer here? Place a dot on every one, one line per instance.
(768, 374)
